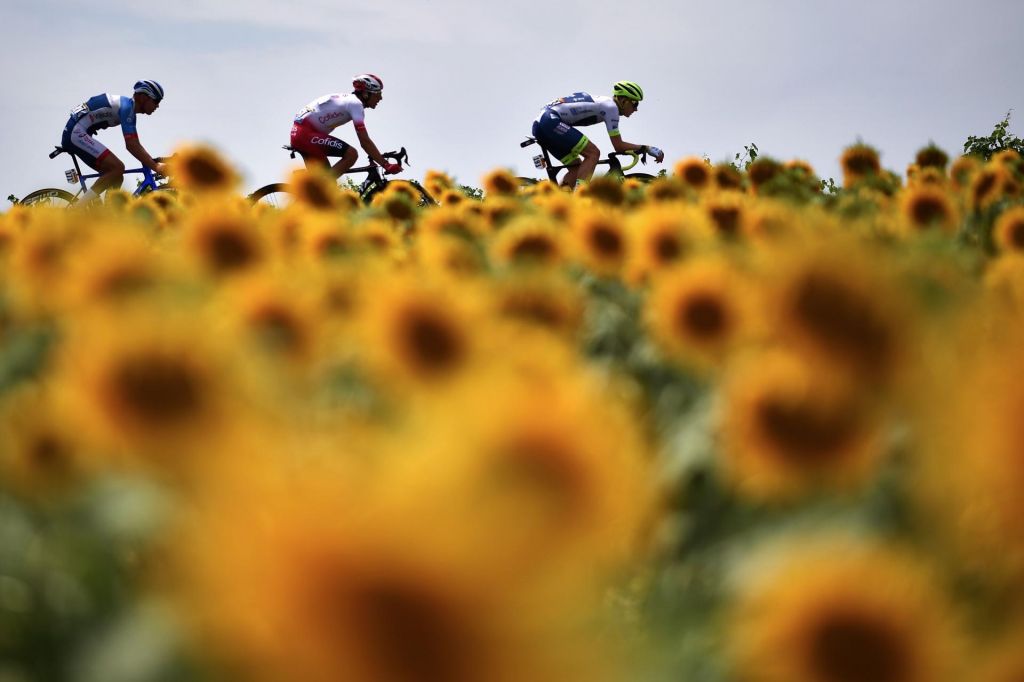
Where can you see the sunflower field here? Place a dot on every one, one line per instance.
(734, 424)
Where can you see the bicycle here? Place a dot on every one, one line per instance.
(51, 196)
(276, 194)
(615, 168)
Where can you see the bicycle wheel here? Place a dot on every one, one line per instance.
(425, 198)
(274, 194)
(49, 197)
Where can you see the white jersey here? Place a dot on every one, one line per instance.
(330, 111)
(580, 109)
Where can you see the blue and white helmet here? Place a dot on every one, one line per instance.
(151, 88)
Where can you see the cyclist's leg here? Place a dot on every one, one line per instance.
(316, 147)
(591, 155)
(77, 141)
(566, 144)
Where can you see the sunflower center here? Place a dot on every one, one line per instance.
(411, 634)
(434, 346)
(278, 329)
(927, 210)
(158, 391)
(703, 316)
(854, 648)
(49, 453)
(805, 432)
(535, 246)
(667, 248)
(727, 219)
(1017, 235)
(696, 175)
(315, 194)
(842, 321)
(229, 250)
(606, 241)
(205, 172)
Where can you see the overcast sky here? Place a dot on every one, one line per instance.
(465, 78)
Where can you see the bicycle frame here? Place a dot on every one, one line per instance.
(147, 184)
(614, 166)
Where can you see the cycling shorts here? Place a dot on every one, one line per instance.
(77, 140)
(558, 137)
(310, 142)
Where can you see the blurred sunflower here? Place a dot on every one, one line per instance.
(452, 221)
(421, 332)
(452, 197)
(699, 312)
(276, 318)
(992, 183)
(962, 171)
(839, 304)
(436, 183)
(932, 156)
(38, 264)
(545, 301)
(665, 190)
(443, 252)
(223, 242)
(1004, 281)
(926, 176)
(606, 190)
(728, 177)
(318, 190)
(841, 611)
(970, 480)
(762, 171)
(146, 384)
(1003, 661)
(786, 431)
(379, 236)
(323, 583)
(728, 212)
(529, 241)
(925, 207)
(325, 238)
(200, 169)
(1008, 232)
(694, 172)
(599, 240)
(500, 183)
(859, 162)
(41, 454)
(662, 237)
(499, 210)
(115, 266)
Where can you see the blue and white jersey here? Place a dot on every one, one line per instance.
(581, 109)
(104, 111)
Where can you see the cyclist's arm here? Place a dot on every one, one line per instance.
(136, 149)
(622, 147)
(369, 147)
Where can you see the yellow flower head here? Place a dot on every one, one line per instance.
(318, 190)
(841, 611)
(529, 241)
(859, 161)
(932, 157)
(694, 172)
(599, 240)
(788, 431)
(699, 312)
(1008, 233)
(200, 169)
(500, 183)
(223, 241)
(663, 236)
(604, 190)
(925, 207)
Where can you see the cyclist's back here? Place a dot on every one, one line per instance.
(581, 109)
(330, 111)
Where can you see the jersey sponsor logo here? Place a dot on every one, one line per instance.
(562, 128)
(331, 116)
(326, 141)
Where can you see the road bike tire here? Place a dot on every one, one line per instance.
(275, 194)
(49, 196)
(425, 198)
(642, 177)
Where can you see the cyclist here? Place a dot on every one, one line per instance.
(310, 130)
(555, 128)
(104, 111)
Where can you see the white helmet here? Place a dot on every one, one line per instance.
(367, 82)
